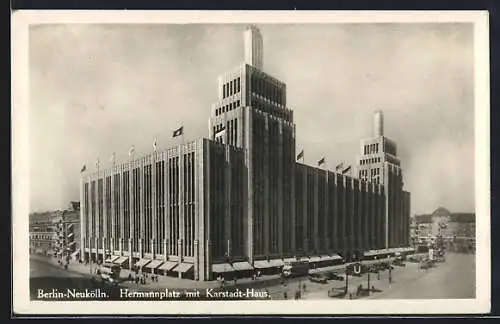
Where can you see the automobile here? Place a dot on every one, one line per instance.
(337, 292)
(413, 259)
(318, 278)
(426, 264)
(385, 266)
(334, 276)
(373, 268)
(440, 259)
(399, 263)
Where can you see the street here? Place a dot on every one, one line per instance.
(453, 279)
(46, 276)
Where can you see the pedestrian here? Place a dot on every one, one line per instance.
(378, 275)
(129, 276)
(304, 287)
(285, 296)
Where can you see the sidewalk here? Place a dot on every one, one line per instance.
(164, 281)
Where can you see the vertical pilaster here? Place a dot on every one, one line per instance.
(250, 170)
(305, 215)
(265, 167)
(180, 248)
(83, 220)
(326, 216)
(90, 224)
(282, 163)
(154, 206)
(133, 215)
(104, 212)
(142, 228)
(121, 197)
(199, 226)
(97, 218)
(316, 240)
(181, 202)
(292, 194)
(168, 213)
(227, 200)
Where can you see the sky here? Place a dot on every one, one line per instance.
(98, 89)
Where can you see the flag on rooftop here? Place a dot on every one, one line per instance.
(348, 169)
(339, 166)
(155, 143)
(322, 161)
(300, 155)
(84, 168)
(178, 132)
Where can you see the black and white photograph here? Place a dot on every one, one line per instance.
(287, 162)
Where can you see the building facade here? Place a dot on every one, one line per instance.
(237, 200)
(56, 233)
(456, 230)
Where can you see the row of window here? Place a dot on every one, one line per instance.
(370, 160)
(363, 174)
(41, 237)
(226, 108)
(267, 89)
(231, 88)
(371, 149)
(272, 109)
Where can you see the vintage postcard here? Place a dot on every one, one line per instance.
(243, 163)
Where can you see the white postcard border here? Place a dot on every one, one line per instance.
(20, 166)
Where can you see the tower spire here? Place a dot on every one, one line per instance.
(253, 47)
(378, 123)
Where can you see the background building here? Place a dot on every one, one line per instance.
(56, 233)
(456, 230)
(43, 233)
(238, 200)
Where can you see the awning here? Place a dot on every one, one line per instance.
(277, 263)
(329, 268)
(315, 259)
(153, 264)
(222, 267)
(262, 264)
(112, 258)
(304, 259)
(376, 252)
(167, 266)
(142, 262)
(331, 257)
(121, 260)
(183, 267)
(287, 260)
(77, 252)
(242, 266)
